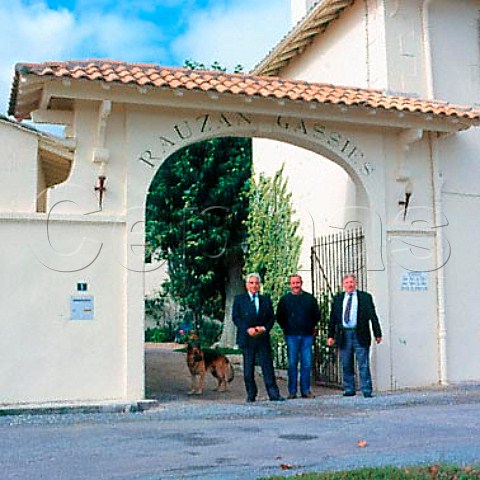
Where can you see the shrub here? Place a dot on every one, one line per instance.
(176, 324)
(159, 335)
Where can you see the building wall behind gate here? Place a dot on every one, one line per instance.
(320, 190)
(338, 56)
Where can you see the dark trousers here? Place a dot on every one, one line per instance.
(263, 352)
(349, 349)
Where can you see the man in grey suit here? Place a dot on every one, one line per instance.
(254, 318)
(352, 313)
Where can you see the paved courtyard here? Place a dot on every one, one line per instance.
(167, 378)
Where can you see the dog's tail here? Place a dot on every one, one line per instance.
(231, 371)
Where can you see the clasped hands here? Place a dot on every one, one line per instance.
(256, 331)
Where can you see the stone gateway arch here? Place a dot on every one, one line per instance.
(76, 232)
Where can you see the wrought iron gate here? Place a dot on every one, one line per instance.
(332, 257)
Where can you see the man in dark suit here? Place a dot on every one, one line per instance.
(352, 313)
(254, 318)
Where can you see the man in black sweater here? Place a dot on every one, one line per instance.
(298, 315)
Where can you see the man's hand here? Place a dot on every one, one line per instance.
(255, 331)
(330, 341)
(378, 339)
(252, 331)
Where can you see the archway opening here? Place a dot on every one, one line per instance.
(324, 197)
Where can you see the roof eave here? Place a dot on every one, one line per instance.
(36, 89)
(301, 36)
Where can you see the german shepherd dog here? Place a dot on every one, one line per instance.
(201, 361)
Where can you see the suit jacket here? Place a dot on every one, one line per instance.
(366, 314)
(244, 316)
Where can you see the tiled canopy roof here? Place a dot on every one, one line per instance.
(302, 35)
(155, 76)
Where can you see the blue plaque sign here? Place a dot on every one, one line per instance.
(81, 307)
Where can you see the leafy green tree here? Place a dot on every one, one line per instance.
(273, 243)
(196, 209)
(194, 65)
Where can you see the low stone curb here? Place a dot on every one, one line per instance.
(74, 408)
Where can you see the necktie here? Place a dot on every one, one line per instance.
(255, 301)
(348, 308)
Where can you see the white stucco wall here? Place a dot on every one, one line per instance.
(433, 49)
(84, 175)
(412, 47)
(461, 272)
(455, 50)
(339, 56)
(18, 169)
(405, 49)
(50, 356)
(426, 49)
(412, 328)
(461, 202)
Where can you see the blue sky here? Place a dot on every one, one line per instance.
(165, 32)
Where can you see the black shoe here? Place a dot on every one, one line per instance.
(292, 396)
(277, 399)
(367, 395)
(250, 399)
(348, 394)
(308, 395)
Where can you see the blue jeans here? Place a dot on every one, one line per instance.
(349, 349)
(299, 347)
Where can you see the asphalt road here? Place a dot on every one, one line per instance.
(198, 439)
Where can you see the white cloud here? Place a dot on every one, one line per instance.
(119, 38)
(240, 32)
(132, 7)
(32, 32)
(27, 34)
(228, 31)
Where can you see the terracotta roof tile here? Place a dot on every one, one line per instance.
(236, 84)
